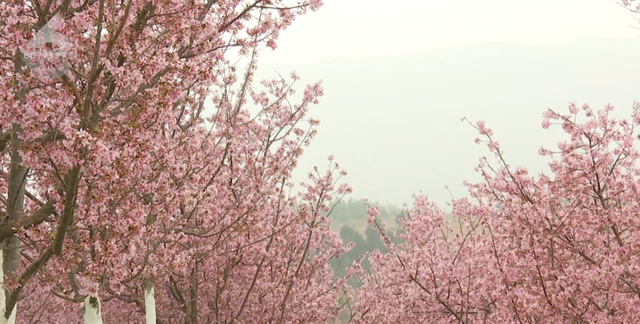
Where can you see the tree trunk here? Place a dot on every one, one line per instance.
(92, 310)
(149, 302)
(15, 209)
(193, 294)
(3, 300)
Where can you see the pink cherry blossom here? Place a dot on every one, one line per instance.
(557, 248)
(130, 177)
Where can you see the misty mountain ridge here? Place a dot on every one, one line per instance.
(393, 122)
(592, 44)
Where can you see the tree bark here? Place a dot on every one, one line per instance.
(15, 209)
(193, 300)
(3, 299)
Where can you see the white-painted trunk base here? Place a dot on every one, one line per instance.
(11, 319)
(3, 298)
(92, 311)
(149, 303)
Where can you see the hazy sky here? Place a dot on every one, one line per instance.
(393, 122)
(362, 28)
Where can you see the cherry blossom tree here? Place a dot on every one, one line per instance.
(633, 5)
(556, 248)
(121, 190)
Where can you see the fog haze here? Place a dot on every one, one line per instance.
(394, 122)
(358, 28)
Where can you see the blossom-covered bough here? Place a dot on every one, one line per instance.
(123, 190)
(559, 248)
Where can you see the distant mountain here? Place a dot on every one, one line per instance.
(394, 123)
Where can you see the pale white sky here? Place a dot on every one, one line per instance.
(362, 28)
(394, 122)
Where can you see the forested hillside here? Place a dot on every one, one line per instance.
(349, 220)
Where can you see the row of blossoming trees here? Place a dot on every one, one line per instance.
(122, 192)
(555, 248)
(560, 248)
(124, 200)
